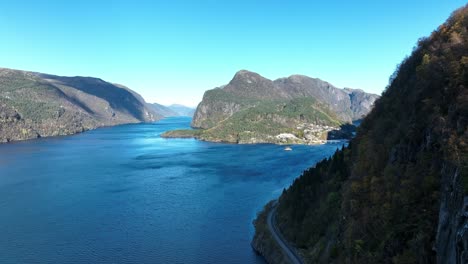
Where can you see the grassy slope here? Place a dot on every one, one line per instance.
(265, 119)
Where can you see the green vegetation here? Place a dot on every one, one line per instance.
(217, 99)
(28, 95)
(264, 242)
(265, 120)
(307, 210)
(183, 133)
(252, 109)
(270, 118)
(378, 200)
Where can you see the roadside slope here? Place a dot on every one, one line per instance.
(399, 192)
(289, 250)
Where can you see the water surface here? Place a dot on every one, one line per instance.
(124, 195)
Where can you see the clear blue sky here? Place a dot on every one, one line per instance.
(172, 51)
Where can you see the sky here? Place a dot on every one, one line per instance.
(173, 51)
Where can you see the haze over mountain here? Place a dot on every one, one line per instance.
(36, 105)
(182, 110)
(162, 110)
(253, 109)
(399, 192)
(172, 110)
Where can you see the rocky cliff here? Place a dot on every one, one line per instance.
(399, 192)
(36, 105)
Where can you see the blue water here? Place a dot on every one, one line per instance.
(125, 195)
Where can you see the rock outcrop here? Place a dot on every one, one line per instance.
(452, 231)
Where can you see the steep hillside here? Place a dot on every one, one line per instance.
(297, 109)
(399, 192)
(246, 89)
(36, 105)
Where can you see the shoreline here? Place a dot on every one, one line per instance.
(77, 132)
(271, 246)
(322, 142)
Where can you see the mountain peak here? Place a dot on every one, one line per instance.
(245, 72)
(247, 76)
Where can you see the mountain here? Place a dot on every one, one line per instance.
(182, 110)
(246, 89)
(297, 109)
(172, 110)
(36, 105)
(398, 193)
(163, 110)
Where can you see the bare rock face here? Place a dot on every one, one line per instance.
(452, 231)
(36, 105)
(208, 114)
(361, 102)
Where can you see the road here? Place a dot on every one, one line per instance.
(294, 258)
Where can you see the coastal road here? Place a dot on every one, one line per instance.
(294, 258)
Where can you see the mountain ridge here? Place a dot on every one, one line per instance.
(36, 105)
(172, 110)
(248, 86)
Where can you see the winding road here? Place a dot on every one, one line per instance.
(289, 250)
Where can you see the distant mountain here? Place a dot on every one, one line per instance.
(163, 110)
(297, 109)
(36, 105)
(182, 110)
(172, 110)
(398, 193)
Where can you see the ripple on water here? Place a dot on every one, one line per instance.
(125, 195)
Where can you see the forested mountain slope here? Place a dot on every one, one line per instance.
(398, 192)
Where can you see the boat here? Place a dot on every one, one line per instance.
(287, 148)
